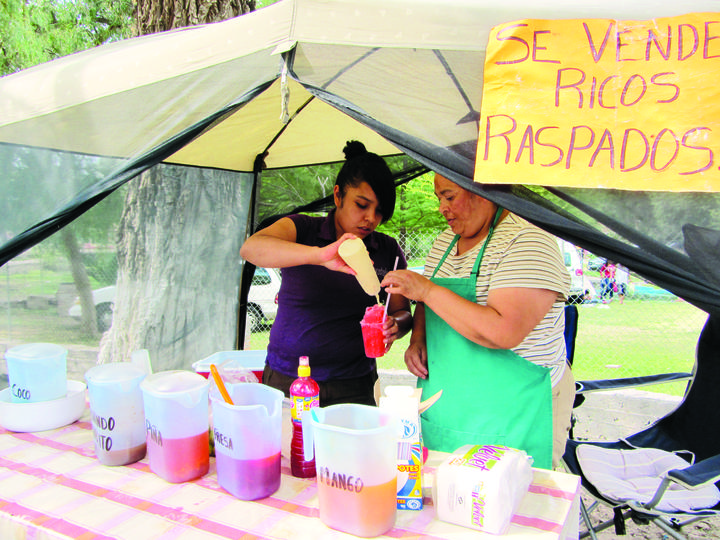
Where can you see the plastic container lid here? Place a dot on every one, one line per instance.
(35, 351)
(115, 372)
(253, 360)
(168, 383)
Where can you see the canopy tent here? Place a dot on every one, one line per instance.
(288, 85)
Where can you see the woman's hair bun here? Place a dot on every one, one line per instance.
(354, 149)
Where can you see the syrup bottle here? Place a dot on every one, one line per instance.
(305, 394)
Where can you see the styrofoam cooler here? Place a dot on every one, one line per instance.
(177, 423)
(36, 372)
(233, 361)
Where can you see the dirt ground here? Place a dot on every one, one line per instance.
(695, 531)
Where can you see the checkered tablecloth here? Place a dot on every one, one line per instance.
(52, 486)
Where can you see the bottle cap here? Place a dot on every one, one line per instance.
(304, 367)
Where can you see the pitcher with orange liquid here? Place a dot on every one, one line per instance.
(355, 449)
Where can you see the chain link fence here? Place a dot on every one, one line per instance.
(647, 330)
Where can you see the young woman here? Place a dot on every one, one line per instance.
(321, 303)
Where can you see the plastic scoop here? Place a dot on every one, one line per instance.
(141, 358)
(220, 384)
(355, 254)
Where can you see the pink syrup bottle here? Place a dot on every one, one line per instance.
(305, 394)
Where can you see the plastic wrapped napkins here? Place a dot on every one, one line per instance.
(481, 486)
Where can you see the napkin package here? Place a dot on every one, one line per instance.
(481, 486)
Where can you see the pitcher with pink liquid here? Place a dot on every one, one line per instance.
(177, 424)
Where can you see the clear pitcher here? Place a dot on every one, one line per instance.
(177, 424)
(354, 448)
(248, 440)
(118, 415)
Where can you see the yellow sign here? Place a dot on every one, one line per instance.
(603, 103)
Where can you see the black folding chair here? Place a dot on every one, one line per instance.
(691, 431)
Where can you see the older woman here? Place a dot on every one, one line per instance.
(488, 330)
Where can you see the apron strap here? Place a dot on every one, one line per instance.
(478, 260)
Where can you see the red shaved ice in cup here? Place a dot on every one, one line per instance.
(372, 331)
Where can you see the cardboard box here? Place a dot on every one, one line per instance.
(403, 402)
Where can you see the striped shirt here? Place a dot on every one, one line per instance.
(519, 255)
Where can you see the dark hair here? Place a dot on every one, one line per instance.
(363, 166)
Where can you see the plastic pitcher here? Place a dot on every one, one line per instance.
(248, 440)
(176, 422)
(355, 448)
(36, 372)
(116, 407)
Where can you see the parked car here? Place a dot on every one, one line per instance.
(594, 263)
(263, 298)
(261, 311)
(573, 262)
(104, 300)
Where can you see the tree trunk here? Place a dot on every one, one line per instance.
(179, 238)
(159, 15)
(81, 280)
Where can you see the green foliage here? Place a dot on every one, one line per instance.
(102, 266)
(416, 208)
(282, 190)
(36, 31)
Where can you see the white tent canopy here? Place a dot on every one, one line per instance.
(286, 86)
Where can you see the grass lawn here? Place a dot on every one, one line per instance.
(635, 338)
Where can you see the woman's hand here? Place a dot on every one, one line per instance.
(331, 259)
(416, 359)
(407, 283)
(391, 331)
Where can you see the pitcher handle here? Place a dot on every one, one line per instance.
(307, 430)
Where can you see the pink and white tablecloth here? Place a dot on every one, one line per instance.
(52, 486)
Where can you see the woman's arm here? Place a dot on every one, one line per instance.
(507, 319)
(276, 247)
(416, 353)
(509, 316)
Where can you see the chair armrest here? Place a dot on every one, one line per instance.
(583, 387)
(699, 474)
(693, 477)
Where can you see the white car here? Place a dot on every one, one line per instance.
(574, 264)
(104, 300)
(261, 310)
(263, 298)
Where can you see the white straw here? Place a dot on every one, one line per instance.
(387, 300)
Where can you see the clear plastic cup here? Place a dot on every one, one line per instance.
(177, 423)
(355, 448)
(248, 438)
(372, 331)
(116, 407)
(36, 372)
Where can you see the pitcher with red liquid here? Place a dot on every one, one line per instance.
(177, 423)
(355, 447)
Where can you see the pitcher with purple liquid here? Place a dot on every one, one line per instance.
(248, 439)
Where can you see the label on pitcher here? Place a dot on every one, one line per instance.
(301, 404)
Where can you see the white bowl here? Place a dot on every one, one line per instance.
(43, 415)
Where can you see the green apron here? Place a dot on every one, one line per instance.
(490, 396)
